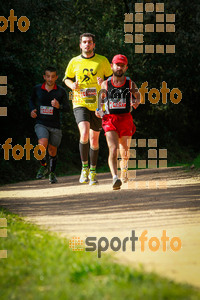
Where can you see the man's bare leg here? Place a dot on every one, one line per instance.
(113, 143)
(124, 145)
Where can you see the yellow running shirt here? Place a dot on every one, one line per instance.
(86, 71)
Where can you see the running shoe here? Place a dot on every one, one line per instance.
(52, 178)
(84, 175)
(124, 175)
(42, 172)
(116, 184)
(93, 178)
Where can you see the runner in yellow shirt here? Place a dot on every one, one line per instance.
(84, 75)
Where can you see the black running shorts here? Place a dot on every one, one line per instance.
(84, 114)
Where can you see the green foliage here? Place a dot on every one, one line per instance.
(41, 266)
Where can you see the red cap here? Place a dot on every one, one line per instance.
(120, 59)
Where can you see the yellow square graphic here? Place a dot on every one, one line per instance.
(128, 27)
(3, 90)
(3, 253)
(131, 174)
(163, 163)
(3, 79)
(3, 233)
(3, 111)
(133, 143)
(128, 38)
(138, 27)
(141, 142)
(152, 143)
(160, 28)
(128, 17)
(149, 7)
(132, 153)
(138, 48)
(141, 185)
(160, 18)
(160, 49)
(149, 49)
(138, 17)
(132, 185)
(162, 153)
(138, 7)
(3, 222)
(139, 38)
(132, 164)
(152, 164)
(142, 164)
(170, 28)
(170, 17)
(159, 7)
(152, 153)
(71, 95)
(149, 28)
(152, 184)
(170, 48)
(162, 184)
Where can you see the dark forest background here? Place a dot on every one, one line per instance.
(53, 39)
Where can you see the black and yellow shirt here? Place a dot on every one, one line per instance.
(86, 71)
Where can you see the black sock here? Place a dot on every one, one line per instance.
(84, 150)
(52, 162)
(94, 157)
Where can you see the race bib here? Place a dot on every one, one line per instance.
(118, 104)
(46, 110)
(89, 95)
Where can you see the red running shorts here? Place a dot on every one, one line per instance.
(121, 123)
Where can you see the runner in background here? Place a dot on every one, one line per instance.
(84, 75)
(46, 103)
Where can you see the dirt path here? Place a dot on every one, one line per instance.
(164, 199)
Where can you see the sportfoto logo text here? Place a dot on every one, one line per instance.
(102, 244)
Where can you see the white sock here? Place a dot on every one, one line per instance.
(115, 177)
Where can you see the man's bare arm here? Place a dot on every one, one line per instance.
(71, 84)
(138, 97)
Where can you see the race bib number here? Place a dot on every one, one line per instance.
(46, 110)
(89, 95)
(117, 104)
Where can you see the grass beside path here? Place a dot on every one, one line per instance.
(40, 265)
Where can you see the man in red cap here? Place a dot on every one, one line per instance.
(119, 95)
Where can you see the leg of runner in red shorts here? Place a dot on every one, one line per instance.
(113, 143)
(124, 145)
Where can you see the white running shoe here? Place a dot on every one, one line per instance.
(93, 178)
(116, 184)
(84, 175)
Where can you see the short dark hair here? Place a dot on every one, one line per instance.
(87, 34)
(50, 69)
